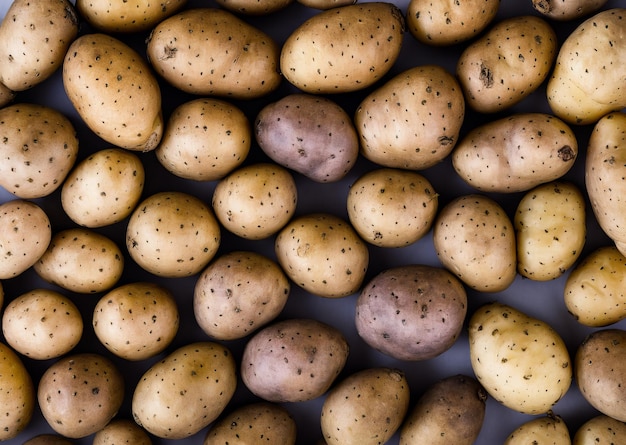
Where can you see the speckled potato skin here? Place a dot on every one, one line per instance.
(35, 37)
(550, 429)
(39, 148)
(515, 153)
(254, 423)
(322, 254)
(474, 238)
(450, 411)
(122, 431)
(42, 324)
(114, 91)
(136, 321)
(449, 22)
(48, 439)
(293, 360)
(80, 393)
(186, 391)
(565, 10)
(413, 312)
(521, 361)
(81, 260)
(215, 64)
(506, 64)
(588, 77)
(6, 96)
(366, 408)
(424, 106)
(600, 430)
(104, 188)
(344, 49)
(17, 394)
(25, 234)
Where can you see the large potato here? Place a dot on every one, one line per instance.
(565, 10)
(600, 430)
(545, 429)
(17, 394)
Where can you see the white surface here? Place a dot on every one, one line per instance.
(542, 300)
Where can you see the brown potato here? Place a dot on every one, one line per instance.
(122, 431)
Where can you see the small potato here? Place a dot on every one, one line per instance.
(122, 431)
(366, 408)
(254, 423)
(293, 360)
(42, 324)
(600, 430)
(515, 153)
(81, 260)
(39, 148)
(48, 439)
(104, 188)
(136, 321)
(521, 361)
(186, 391)
(413, 312)
(550, 229)
(25, 234)
(205, 139)
(17, 394)
(238, 293)
(450, 411)
(80, 393)
(413, 120)
(474, 238)
(392, 207)
(323, 255)
(309, 134)
(255, 201)
(565, 10)
(172, 234)
(509, 62)
(254, 7)
(549, 429)
(595, 290)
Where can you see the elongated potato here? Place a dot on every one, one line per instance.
(565, 10)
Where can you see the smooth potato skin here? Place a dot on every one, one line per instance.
(254, 7)
(17, 394)
(600, 430)
(549, 429)
(122, 431)
(48, 439)
(564, 10)
(126, 16)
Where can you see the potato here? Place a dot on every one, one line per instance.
(80, 393)
(254, 423)
(6, 96)
(600, 430)
(238, 293)
(172, 234)
(39, 148)
(411, 312)
(217, 63)
(521, 361)
(17, 394)
(508, 63)
(413, 120)
(600, 370)
(124, 16)
(137, 320)
(293, 360)
(25, 234)
(474, 238)
(595, 290)
(604, 175)
(449, 22)
(120, 431)
(186, 391)
(255, 201)
(104, 188)
(322, 254)
(565, 10)
(254, 7)
(205, 139)
(550, 229)
(309, 134)
(325, 4)
(390, 207)
(545, 429)
(515, 153)
(81, 260)
(114, 91)
(48, 439)
(344, 49)
(451, 410)
(42, 324)
(367, 407)
(35, 37)
(587, 81)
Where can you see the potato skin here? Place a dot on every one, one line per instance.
(599, 430)
(567, 9)
(121, 431)
(546, 429)
(17, 394)
(48, 439)
(254, 7)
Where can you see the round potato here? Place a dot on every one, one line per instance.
(599, 430)
(104, 188)
(42, 324)
(136, 321)
(122, 431)
(238, 293)
(48, 439)
(546, 429)
(392, 207)
(255, 201)
(566, 10)
(17, 394)
(205, 139)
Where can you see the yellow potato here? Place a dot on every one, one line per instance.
(549, 429)
(17, 394)
(600, 430)
(120, 431)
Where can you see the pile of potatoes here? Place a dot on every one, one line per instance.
(312, 222)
